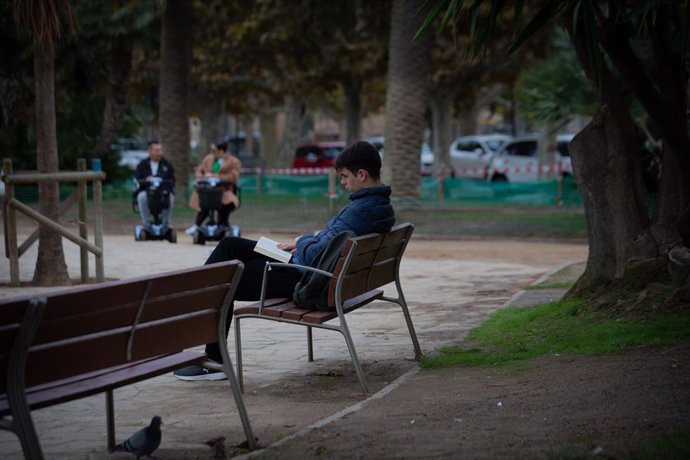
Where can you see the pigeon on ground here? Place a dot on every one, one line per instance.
(144, 441)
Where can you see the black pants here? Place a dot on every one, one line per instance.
(223, 215)
(281, 282)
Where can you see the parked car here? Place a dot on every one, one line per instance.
(426, 155)
(517, 160)
(317, 154)
(469, 156)
(130, 152)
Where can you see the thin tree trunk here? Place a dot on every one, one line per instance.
(267, 125)
(408, 68)
(51, 269)
(353, 111)
(441, 115)
(294, 109)
(116, 100)
(174, 88)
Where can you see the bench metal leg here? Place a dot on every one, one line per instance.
(353, 354)
(237, 394)
(238, 354)
(410, 326)
(22, 423)
(310, 344)
(110, 415)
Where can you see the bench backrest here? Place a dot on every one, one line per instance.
(90, 328)
(368, 262)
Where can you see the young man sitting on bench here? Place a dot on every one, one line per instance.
(369, 211)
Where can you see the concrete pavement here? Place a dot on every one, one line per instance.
(285, 394)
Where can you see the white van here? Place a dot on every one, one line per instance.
(470, 155)
(517, 160)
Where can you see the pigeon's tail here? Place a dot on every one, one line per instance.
(123, 447)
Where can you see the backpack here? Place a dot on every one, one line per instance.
(312, 289)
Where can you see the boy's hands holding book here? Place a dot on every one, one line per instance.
(274, 250)
(289, 247)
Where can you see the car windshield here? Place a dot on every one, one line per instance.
(495, 144)
(522, 149)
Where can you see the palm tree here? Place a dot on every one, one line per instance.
(44, 20)
(176, 37)
(408, 67)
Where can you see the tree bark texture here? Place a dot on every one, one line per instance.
(408, 74)
(353, 111)
(119, 71)
(294, 110)
(269, 143)
(176, 38)
(606, 165)
(441, 116)
(51, 269)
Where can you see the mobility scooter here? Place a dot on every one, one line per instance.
(158, 193)
(210, 191)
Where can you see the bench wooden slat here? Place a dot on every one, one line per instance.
(56, 360)
(93, 383)
(277, 310)
(383, 273)
(295, 313)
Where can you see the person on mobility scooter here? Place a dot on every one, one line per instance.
(154, 198)
(215, 195)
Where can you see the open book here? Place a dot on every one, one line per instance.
(269, 248)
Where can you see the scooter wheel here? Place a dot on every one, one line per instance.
(171, 235)
(198, 238)
(142, 236)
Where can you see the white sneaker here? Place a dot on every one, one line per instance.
(191, 230)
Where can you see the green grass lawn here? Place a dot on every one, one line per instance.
(514, 334)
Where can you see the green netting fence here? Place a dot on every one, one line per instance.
(544, 193)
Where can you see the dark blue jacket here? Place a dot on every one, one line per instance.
(369, 211)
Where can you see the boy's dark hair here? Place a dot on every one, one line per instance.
(220, 145)
(360, 155)
(152, 142)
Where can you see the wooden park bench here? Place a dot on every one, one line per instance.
(88, 340)
(366, 264)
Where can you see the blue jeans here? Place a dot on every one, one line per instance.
(146, 217)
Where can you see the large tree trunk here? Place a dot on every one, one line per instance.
(353, 111)
(119, 72)
(408, 68)
(606, 165)
(606, 158)
(51, 269)
(174, 88)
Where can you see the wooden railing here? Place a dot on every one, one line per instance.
(11, 206)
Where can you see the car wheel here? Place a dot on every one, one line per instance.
(498, 178)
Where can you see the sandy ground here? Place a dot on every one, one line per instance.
(451, 286)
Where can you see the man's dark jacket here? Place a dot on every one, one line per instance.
(165, 171)
(369, 211)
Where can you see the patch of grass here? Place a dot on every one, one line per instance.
(561, 285)
(515, 334)
(670, 447)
